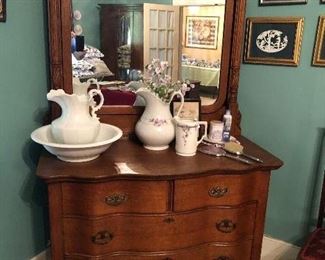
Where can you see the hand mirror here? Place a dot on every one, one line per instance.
(219, 152)
(238, 149)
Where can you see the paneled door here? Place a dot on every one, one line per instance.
(161, 35)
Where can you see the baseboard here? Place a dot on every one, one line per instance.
(272, 249)
(45, 255)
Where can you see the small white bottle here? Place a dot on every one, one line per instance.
(227, 120)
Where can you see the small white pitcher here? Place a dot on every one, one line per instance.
(187, 133)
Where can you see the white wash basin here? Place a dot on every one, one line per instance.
(108, 134)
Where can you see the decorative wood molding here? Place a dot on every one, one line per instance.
(237, 41)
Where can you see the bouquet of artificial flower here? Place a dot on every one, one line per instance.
(160, 83)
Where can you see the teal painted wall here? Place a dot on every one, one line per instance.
(24, 80)
(283, 111)
(23, 83)
(90, 20)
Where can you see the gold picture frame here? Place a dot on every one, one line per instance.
(202, 32)
(273, 40)
(319, 49)
(2, 10)
(282, 2)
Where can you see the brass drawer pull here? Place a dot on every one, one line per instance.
(116, 199)
(102, 237)
(217, 192)
(222, 258)
(226, 226)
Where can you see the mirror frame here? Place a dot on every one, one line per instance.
(125, 117)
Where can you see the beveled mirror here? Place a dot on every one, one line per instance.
(61, 23)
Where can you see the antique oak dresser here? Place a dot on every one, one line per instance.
(132, 203)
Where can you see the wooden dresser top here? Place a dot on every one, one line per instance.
(126, 159)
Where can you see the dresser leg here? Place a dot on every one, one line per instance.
(262, 183)
(55, 210)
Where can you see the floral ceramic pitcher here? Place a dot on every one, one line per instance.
(156, 127)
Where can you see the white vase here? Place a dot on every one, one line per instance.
(156, 127)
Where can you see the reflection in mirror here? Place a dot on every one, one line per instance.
(201, 48)
(111, 42)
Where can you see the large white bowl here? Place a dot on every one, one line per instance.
(77, 152)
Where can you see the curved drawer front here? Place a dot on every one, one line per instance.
(215, 190)
(157, 233)
(240, 251)
(94, 199)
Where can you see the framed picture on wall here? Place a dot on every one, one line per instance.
(190, 110)
(2, 10)
(202, 32)
(319, 49)
(273, 40)
(282, 2)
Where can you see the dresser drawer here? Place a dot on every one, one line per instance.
(214, 190)
(94, 199)
(240, 251)
(157, 232)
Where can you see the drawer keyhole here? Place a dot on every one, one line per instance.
(217, 192)
(222, 258)
(169, 220)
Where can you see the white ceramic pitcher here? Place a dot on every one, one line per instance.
(76, 125)
(187, 133)
(156, 127)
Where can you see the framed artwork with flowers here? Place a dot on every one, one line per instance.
(190, 110)
(273, 40)
(2, 10)
(319, 49)
(282, 2)
(202, 32)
